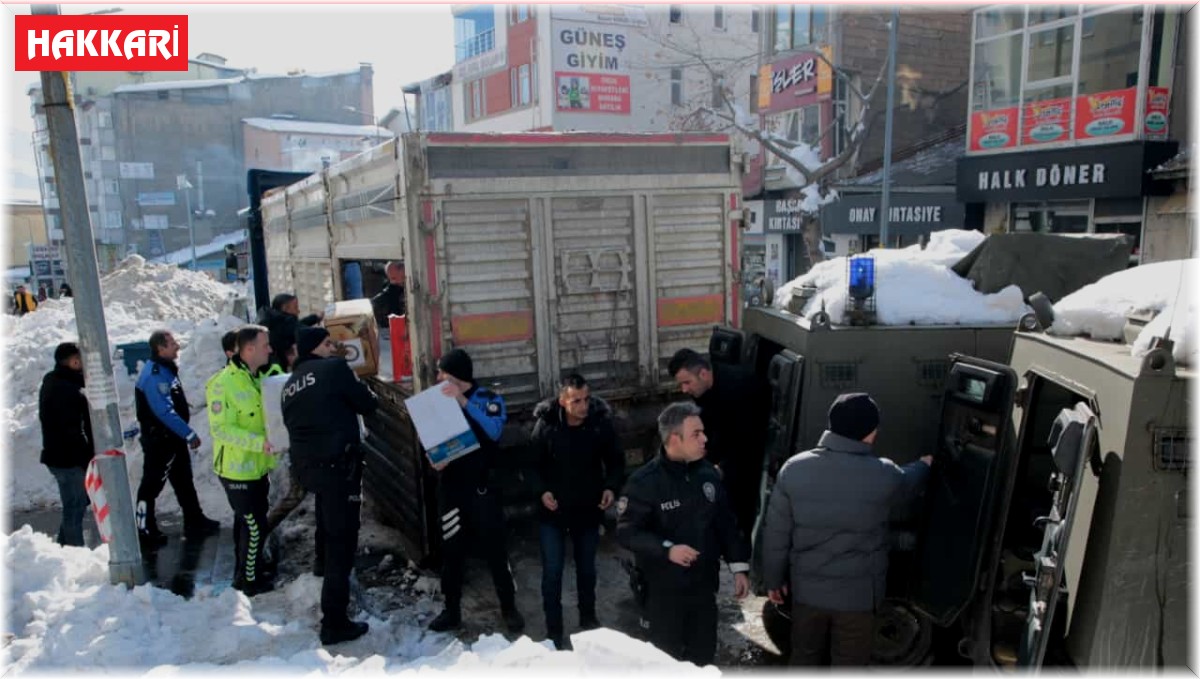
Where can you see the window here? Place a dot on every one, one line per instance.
(754, 94)
(474, 32)
(474, 99)
(112, 187)
(755, 18)
(719, 17)
(677, 87)
(104, 119)
(675, 14)
(519, 13)
(108, 153)
(525, 86)
(1045, 73)
(718, 87)
(112, 219)
(798, 26)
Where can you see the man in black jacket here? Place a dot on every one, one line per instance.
(67, 444)
(282, 322)
(580, 465)
(390, 300)
(321, 403)
(675, 517)
(164, 416)
(735, 407)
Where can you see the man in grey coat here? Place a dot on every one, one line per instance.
(826, 532)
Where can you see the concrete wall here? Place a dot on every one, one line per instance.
(24, 224)
(1171, 235)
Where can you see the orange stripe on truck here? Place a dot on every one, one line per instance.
(508, 326)
(690, 310)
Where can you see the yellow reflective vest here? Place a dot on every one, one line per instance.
(237, 424)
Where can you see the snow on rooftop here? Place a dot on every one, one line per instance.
(1100, 310)
(313, 127)
(177, 85)
(913, 286)
(64, 616)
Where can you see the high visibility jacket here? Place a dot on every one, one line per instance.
(237, 424)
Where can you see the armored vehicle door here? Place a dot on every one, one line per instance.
(972, 462)
(1072, 438)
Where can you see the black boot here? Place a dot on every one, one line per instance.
(259, 585)
(587, 620)
(513, 618)
(347, 631)
(448, 619)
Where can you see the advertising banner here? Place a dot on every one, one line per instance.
(1158, 106)
(592, 93)
(996, 129)
(1046, 121)
(1105, 114)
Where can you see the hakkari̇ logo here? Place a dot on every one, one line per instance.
(101, 43)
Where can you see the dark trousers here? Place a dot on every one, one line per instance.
(846, 636)
(249, 502)
(165, 461)
(287, 504)
(584, 541)
(683, 624)
(742, 483)
(338, 488)
(470, 518)
(74, 504)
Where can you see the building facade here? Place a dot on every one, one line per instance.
(154, 148)
(1072, 110)
(304, 146)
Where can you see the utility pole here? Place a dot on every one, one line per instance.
(181, 181)
(886, 194)
(125, 559)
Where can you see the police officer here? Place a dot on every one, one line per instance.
(675, 516)
(163, 415)
(321, 404)
(735, 407)
(469, 508)
(242, 456)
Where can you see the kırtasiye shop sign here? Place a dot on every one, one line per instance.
(1105, 171)
(908, 213)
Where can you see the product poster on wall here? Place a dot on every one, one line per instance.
(1105, 114)
(1046, 121)
(1158, 103)
(592, 93)
(996, 129)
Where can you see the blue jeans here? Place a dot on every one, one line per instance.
(74, 504)
(554, 556)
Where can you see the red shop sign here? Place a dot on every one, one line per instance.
(996, 129)
(1105, 114)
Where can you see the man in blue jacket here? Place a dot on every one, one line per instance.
(163, 415)
(825, 538)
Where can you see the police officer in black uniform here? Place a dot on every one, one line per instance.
(675, 516)
(321, 403)
(469, 508)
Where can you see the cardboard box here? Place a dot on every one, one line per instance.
(351, 325)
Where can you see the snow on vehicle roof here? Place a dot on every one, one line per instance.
(913, 286)
(1100, 310)
(314, 127)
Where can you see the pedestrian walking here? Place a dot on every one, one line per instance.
(469, 508)
(64, 290)
(242, 456)
(735, 407)
(580, 466)
(675, 516)
(167, 441)
(321, 404)
(67, 443)
(23, 301)
(41, 294)
(282, 320)
(826, 533)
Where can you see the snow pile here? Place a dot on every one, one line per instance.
(1099, 310)
(63, 615)
(139, 298)
(913, 286)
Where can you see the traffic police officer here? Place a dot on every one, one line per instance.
(469, 503)
(675, 516)
(242, 456)
(163, 415)
(321, 404)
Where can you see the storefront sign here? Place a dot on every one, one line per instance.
(784, 214)
(1158, 106)
(1046, 121)
(909, 213)
(592, 93)
(488, 62)
(1108, 171)
(156, 199)
(1105, 114)
(992, 130)
(588, 47)
(793, 82)
(613, 14)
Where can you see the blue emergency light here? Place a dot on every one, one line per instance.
(862, 277)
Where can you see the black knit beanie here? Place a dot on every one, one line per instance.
(854, 416)
(457, 363)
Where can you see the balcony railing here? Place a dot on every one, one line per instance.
(474, 46)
